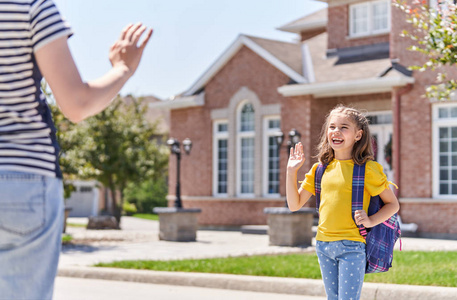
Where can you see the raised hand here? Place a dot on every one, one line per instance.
(296, 157)
(126, 52)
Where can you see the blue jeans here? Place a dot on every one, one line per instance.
(342, 267)
(31, 223)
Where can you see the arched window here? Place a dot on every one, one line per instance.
(246, 147)
(272, 124)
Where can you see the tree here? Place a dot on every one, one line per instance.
(115, 147)
(435, 36)
(118, 149)
(66, 134)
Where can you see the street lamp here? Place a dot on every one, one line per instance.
(294, 138)
(175, 149)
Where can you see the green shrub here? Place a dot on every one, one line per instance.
(67, 238)
(129, 208)
(147, 194)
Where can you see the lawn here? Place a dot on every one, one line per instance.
(76, 225)
(409, 267)
(67, 238)
(153, 217)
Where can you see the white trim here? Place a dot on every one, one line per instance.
(180, 102)
(383, 130)
(308, 69)
(231, 51)
(227, 199)
(348, 87)
(363, 36)
(216, 137)
(427, 200)
(240, 135)
(267, 133)
(241, 95)
(436, 124)
(305, 26)
(389, 17)
(332, 3)
(351, 19)
(370, 19)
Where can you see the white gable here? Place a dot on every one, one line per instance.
(241, 41)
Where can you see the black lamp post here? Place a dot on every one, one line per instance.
(294, 138)
(175, 149)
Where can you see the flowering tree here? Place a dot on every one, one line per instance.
(435, 36)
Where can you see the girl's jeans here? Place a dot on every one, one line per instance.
(31, 223)
(343, 268)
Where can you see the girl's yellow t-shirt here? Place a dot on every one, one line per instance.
(335, 211)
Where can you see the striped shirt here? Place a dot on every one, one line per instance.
(27, 134)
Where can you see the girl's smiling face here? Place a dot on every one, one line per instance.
(342, 134)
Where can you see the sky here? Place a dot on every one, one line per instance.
(189, 35)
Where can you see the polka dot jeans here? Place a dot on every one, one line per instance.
(342, 267)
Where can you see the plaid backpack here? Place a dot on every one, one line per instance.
(381, 238)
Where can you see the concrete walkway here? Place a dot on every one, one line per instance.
(138, 239)
(96, 289)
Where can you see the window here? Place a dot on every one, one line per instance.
(445, 150)
(246, 139)
(271, 156)
(220, 158)
(381, 130)
(442, 5)
(369, 18)
(85, 189)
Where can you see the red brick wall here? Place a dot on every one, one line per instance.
(415, 110)
(232, 212)
(295, 113)
(399, 44)
(431, 216)
(338, 30)
(245, 69)
(196, 168)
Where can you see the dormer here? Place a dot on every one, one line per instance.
(355, 23)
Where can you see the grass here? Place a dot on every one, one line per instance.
(66, 238)
(76, 225)
(409, 267)
(153, 217)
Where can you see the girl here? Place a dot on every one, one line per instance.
(345, 140)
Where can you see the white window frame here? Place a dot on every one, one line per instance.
(268, 132)
(370, 19)
(217, 136)
(437, 123)
(383, 126)
(239, 136)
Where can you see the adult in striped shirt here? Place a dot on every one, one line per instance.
(33, 44)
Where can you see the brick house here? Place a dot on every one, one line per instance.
(349, 53)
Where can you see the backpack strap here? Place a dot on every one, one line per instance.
(358, 184)
(317, 183)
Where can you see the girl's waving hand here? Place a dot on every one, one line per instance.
(296, 157)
